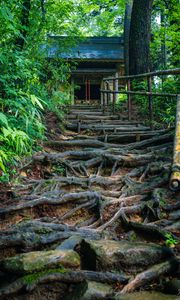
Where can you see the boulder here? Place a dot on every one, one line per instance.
(172, 286)
(146, 296)
(39, 260)
(70, 243)
(131, 257)
(97, 291)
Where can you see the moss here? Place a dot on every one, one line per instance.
(39, 260)
(176, 174)
(44, 230)
(31, 278)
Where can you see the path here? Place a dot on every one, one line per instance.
(93, 209)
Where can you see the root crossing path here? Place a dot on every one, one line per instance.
(92, 216)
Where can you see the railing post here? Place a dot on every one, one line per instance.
(129, 99)
(102, 95)
(175, 175)
(114, 95)
(149, 81)
(89, 91)
(115, 89)
(106, 96)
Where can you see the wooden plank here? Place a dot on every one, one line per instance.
(175, 176)
(91, 117)
(126, 128)
(108, 122)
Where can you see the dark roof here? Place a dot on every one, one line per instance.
(91, 48)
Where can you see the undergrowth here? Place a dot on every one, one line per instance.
(23, 107)
(164, 108)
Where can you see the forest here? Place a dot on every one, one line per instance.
(89, 186)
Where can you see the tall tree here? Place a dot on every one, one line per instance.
(26, 7)
(173, 9)
(140, 32)
(127, 22)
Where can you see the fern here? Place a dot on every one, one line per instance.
(3, 160)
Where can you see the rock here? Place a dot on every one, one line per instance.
(146, 296)
(70, 243)
(172, 287)
(39, 260)
(127, 256)
(97, 291)
(52, 291)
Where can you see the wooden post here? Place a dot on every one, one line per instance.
(86, 89)
(104, 98)
(101, 87)
(114, 96)
(175, 175)
(89, 91)
(129, 99)
(103, 103)
(115, 88)
(79, 126)
(149, 81)
(107, 95)
(72, 91)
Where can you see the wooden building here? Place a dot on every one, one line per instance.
(96, 58)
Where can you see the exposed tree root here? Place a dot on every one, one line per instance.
(34, 235)
(150, 275)
(66, 277)
(56, 200)
(98, 189)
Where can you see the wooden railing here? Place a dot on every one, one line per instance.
(105, 102)
(175, 176)
(105, 99)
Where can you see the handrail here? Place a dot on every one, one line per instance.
(150, 74)
(139, 93)
(105, 100)
(106, 91)
(175, 175)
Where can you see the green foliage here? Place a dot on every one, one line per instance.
(164, 108)
(162, 202)
(3, 160)
(165, 31)
(170, 240)
(102, 17)
(29, 84)
(16, 140)
(33, 278)
(59, 170)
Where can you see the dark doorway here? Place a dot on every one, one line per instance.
(95, 92)
(80, 92)
(87, 92)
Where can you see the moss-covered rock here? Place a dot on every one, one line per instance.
(172, 287)
(39, 260)
(70, 243)
(146, 296)
(127, 256)
(97, 290)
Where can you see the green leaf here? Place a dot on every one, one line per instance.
(36, 101)
(2, 166)
(3, 119)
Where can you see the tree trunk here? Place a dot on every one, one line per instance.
(127, 22)
(163, 42)
(172, 7)
(24, 23)
(139, 54)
